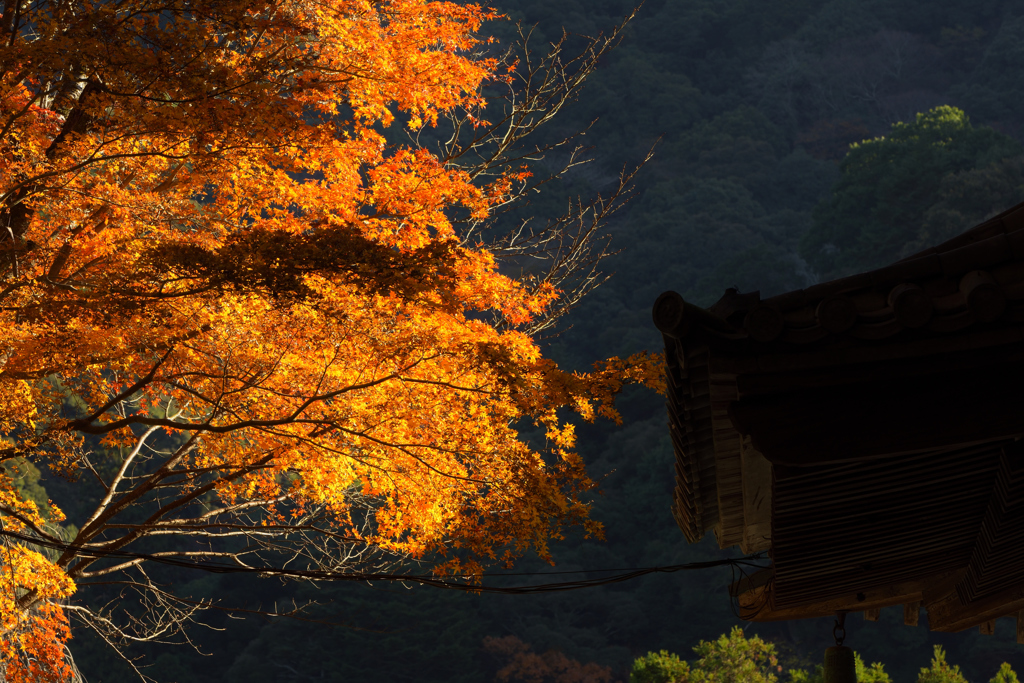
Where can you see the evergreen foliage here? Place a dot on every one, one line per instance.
(1006, 674)
(734, 658)
(737, 659)
(940, 671)
(731, 658)
(908, 190)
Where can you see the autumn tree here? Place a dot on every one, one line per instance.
(272, 331)
(520, 664)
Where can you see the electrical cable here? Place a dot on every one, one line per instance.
(422, 579)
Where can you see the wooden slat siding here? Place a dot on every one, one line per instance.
(686, 508)
(997, 562)
(897, 518)
(701, 434)
(695, 505)
(757, 499)
(912, 613)
(907, 554)
(728, 462)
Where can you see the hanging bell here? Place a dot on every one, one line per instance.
(840, 666)
(840, 662)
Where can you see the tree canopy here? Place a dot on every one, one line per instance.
(730, 657)
(269, 334)
(915, 187)
(734, 657)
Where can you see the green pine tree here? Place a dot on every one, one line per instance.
(1006, 674)
(940, 671)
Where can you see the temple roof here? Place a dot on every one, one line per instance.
(864, 431)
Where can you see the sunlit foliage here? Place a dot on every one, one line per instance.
(253, 320)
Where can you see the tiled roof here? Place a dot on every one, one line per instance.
(977, 277)
(863, 430)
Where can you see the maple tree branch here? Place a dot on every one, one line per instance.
(97, 526)
(86, 426)
(112, 487)
(536, 90)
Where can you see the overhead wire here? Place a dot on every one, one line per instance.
(468, 585)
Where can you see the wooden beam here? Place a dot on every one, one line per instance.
(947, 613)
(755, 600)
(872, 614)
(987, 628)
(1020, 627)
(911, 613)
(750, 582)
(755, 605)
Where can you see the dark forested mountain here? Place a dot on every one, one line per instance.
(753, 107)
